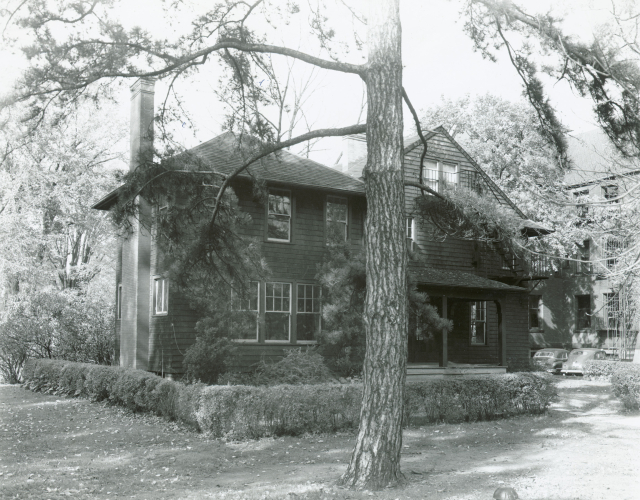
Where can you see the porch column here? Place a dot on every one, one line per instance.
(445, 347)
(502, 333)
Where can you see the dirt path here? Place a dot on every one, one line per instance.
(51, 447)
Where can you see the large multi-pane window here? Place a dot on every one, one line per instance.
(161, 295)
(535, 312)
(579, 197)
(277, 315)
(279, 216)
(308, 312)
(437, 174)
(337, 219)
(246, 303)
(583, 312)
(612, 248)
(612, 314)
(478, 322)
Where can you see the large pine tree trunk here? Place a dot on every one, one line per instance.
(375, 462)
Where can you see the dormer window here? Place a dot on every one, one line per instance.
(437, 175)
(610, 193)
(279, 216)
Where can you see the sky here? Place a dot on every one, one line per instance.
(438, 58)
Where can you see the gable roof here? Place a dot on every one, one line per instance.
(223, 155)
(415, 141)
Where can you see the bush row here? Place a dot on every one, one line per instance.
(252, 412)
(626, 384)
(600, 369)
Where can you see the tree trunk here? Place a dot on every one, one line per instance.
(375, 462)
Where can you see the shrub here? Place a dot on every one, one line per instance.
(253, 412)
(210, 355)
(599, 369)
(478, 398)
(297, 367)
(626, 384)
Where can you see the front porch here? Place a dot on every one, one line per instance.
(417, 372)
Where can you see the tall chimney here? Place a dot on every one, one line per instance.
(141, 122)
(136, 246)
(354, 155)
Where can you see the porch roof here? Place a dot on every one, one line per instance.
(460, 280)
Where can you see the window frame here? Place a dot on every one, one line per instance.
(587, 312)
(164, 303)
(474, 321)
(269, 213)
(267, 311)
(327, 221)
(410, 232)
(439, 181)
(610, 192)
(539, 313)
(581, 208)
(317, 313)
(256, 311)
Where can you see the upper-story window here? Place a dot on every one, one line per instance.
(279, 216)
(337, 219)
(579, 196)
(161, 295)
(437, 174)
(410, 232)
(610, 193)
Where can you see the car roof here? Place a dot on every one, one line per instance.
(552, 349)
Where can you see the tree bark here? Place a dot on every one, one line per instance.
(375, 462)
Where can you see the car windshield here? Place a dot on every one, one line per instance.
(544, 355)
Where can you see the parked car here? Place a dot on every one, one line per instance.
(578, 357)
(551, 359)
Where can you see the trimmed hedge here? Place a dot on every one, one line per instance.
(600, 369)
(626, 385)
(252, 412)
(479, 398)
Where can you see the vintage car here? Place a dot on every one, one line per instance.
(550, 359)
(578, 357)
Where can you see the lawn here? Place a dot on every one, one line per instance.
(53, 447)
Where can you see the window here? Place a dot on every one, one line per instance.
(337, 217)
(119, 302)
(584, 265)
(478, 323)
(160, 295)
(279, 216)
(535, 312)
(583, 312)
(437, 174)
(578, 196)
(410, 232)
(308, 313)
(610, 193)
(612, 249)
(277, 314)
(246, 303)
(612, 314)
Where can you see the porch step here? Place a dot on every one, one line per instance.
(429, 372)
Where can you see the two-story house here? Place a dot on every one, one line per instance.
(477, 286)
(579, 305)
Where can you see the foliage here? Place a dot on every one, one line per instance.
(135, 390)
(48, 180)
(298, 366)
(241, 412)
(596, 369)
(478, 398)
(342, 341)
(211, 355)
(55, 324)
(626, 385)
